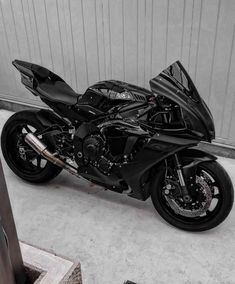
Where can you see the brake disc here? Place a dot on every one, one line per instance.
(204, 206)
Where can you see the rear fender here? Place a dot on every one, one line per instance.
(46, 118)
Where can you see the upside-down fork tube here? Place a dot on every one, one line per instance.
(39, 147)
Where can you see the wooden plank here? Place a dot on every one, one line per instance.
(107, 39)
(141, 8)
(7, 76)
(175, 28)
(41, 20)
(11, 48)
(205, 47)
(148, 42)
(67, 43)
(100, 38)
(79, 44)
(228, 117)
(159, 40)
(187, 32)
(130, 40)
(54, 36)
(10, 26)
(194, 37)
(20, 30)
(117, 39)
(221, 63)
(30, 19)
(91, 42)
(25, 19)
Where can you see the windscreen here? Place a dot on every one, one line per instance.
(178, 76)
(174, 83)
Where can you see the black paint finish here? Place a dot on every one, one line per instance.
(173, 118)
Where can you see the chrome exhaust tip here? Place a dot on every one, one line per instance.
(35, 143)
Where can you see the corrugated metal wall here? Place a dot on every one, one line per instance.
(132, 40)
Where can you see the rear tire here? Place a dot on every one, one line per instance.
(226, 195)
(23, 169)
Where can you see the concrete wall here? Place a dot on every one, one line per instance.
(132, 40)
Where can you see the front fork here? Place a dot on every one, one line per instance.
(184, 191)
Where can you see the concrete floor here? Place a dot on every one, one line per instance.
(118, 238)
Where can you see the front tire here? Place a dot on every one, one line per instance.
(34, 168)
(224, 195)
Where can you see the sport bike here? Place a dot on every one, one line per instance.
(124, 138)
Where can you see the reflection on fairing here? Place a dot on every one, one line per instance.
(124, 138)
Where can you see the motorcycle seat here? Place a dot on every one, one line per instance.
(57, 91)
(49, 85)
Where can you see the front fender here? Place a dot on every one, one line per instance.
(190, 159)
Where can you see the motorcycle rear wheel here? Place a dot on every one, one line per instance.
(34, 168)
(224, 195)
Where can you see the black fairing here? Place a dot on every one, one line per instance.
(175, 84)
(153, 153)
(106, 98)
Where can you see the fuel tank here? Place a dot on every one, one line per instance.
(105, 95)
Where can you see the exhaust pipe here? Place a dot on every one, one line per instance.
(41, 149)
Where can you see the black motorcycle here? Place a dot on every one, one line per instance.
(125, 138)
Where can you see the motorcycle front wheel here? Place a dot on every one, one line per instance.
(212, 199)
